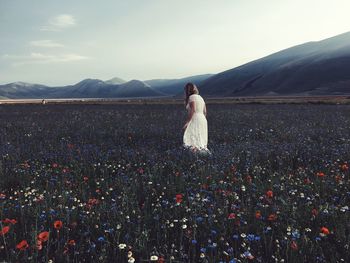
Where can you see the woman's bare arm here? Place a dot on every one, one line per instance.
(191, 112)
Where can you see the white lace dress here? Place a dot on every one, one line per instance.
(196, 133)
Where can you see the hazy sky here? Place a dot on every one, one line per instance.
(62, 42)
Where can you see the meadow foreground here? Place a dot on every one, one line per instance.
(112, 183)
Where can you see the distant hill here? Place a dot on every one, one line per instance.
(175, 86)
(313, 68)
(96, 88)
(88, 88)
(17, 90)
(115, 81)
(136, 88)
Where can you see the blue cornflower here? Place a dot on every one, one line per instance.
(247, 254)
(53, 212)
(212, 245)
(199, 219)
(266, 230)
(101, 239)
(251, 237)
(295, 234)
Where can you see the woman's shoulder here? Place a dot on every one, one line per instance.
(192, 97)
(195, 96)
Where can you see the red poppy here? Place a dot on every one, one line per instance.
(58, 224)
(231, 216)
(4, 230)
(9, 221)
(269, 194)
(44, 236)
(345, 167)
(93, 201)
(23, 245)
(85, 178)
(178, 198)
(257, 214)
(325, 231)
(140, 170)
(54, 165)
(314, 212)
(294, 245)
(71, 242)
(320, 174)
(272, 217)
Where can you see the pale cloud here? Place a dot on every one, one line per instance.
(40, 58)
(45, 43)
(60, 22)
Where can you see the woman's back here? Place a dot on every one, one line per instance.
(199, 103)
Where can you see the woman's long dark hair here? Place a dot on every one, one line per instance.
(190, 89)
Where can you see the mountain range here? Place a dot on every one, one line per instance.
(313, 68)
(95, 88)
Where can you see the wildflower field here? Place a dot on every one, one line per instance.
(112, 183)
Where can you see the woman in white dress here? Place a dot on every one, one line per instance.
(196, 126)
